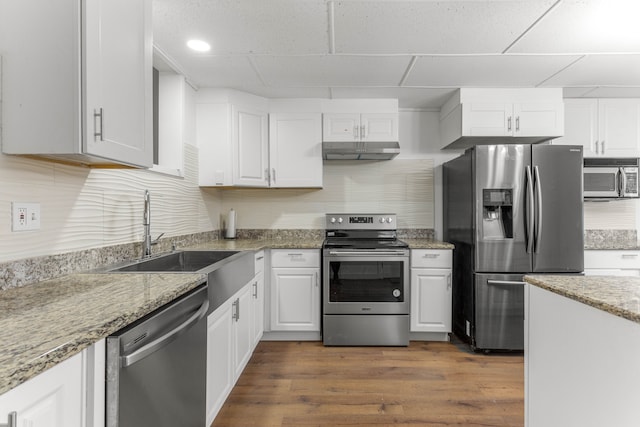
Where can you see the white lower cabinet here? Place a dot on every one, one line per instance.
(431, 292)
(54, 398)
(230, 344)
(612, 263)
(295, 290)
(257, 300)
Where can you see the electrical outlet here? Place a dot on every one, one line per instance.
(25, 216)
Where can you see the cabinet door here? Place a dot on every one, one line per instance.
(118, 80)
(379, 127)
(257, 308)
(243, 333)
(295, 299)
(341, 127)
(430, 300)
(250, 153)
(619, 127)
(219, 359)
(295, 146)
(487, 119)
(538, 119)
(51, 399)
(580, 125)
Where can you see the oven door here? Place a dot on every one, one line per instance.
(601, 182)
(366, 282)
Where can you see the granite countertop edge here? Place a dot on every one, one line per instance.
(23, 359)
(617, 295)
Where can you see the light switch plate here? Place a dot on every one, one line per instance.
(25, 216)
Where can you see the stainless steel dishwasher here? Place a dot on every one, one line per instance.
(156, 367)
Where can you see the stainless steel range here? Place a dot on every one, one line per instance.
(365, 271)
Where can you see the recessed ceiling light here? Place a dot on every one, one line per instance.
(199, 45)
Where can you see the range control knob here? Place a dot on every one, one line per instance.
(333, 220)
(339, 220)
(396, 293)
(381, 220)
(389, 220)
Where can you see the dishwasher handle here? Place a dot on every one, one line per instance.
(167, 338)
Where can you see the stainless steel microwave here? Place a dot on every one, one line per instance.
(610, 178)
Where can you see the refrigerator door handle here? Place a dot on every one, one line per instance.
(538, 226)
(529, 213)
(505, 282)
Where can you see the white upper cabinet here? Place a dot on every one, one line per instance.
(240, 144)
(605, 127)
(250, 148)
(479, 116)
(295, 147)
(77, 80)
(341, 127)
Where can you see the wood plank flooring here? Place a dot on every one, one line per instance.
(304, 384)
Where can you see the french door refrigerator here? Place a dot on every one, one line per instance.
(509, 210)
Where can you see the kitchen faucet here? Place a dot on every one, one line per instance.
(146, 222)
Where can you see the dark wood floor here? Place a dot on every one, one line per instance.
(304, 384)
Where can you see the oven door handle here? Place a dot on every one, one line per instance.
(395, 253)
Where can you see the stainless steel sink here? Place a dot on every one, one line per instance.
(183, 261)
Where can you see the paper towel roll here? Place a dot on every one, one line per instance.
(231, 225)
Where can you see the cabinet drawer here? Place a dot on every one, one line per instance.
(611, 259)
(431, 258)
(259, 262)
(295, 258)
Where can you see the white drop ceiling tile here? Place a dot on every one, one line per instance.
(585, 26)
(600, 70)
(332, 70)
(243, 26)
(577, 92)
(429, 98)
(486, 71)
(432, 27)
(219, 71)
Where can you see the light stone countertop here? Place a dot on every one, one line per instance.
(427, 244)
(303, 243)
(618, 295)
(46, 323)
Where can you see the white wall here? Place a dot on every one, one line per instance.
(86, 208)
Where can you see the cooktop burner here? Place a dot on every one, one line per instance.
(362, 231)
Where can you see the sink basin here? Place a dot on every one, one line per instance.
(183, 261)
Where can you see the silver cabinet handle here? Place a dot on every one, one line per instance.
(316, 275)
(629, 256)
(430, 256)
(518, 124)
(505, 282)
(260, 258)
(98, 135)
(12, 420)
(597, 147)
(602, 147)
(356, 135)
(509, 123)
(167, 338)
(448, 282)
(255, 290)
(273, 175)
(363, 134)
(294, 254)
(267, 177)
(236, 314)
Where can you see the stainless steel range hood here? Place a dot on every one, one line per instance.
(360, 150)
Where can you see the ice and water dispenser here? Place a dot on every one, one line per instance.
(497, 213)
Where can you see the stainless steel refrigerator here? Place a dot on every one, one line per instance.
(509, 210)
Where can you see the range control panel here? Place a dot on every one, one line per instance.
(344, 221)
